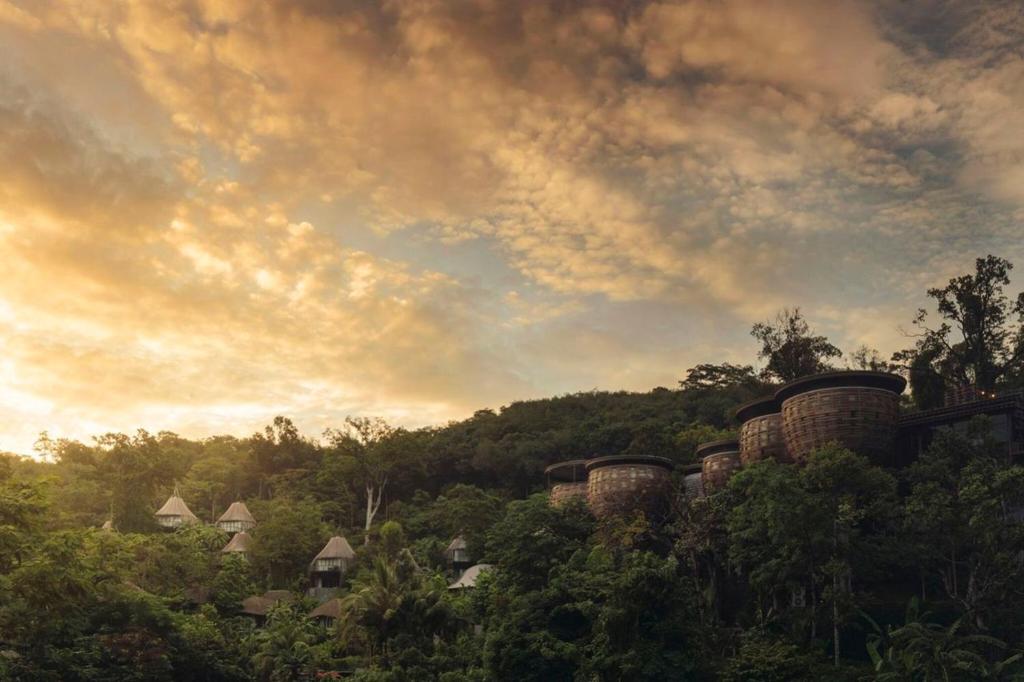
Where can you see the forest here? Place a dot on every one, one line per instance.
(838, 569)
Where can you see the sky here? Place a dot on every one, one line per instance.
(213, 212)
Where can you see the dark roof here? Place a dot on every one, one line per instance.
(610, 460)
(757, 408)
(572, 470)
(862, 378)
(715, 447)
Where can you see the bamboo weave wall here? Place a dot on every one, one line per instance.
(761, 438)
(859, 418)
(717, 469)
(563, 492)
(626, 489)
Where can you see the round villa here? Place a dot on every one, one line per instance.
(720, 459)
(623, 485)
(567, 481)
(857, 409)
(761, 431)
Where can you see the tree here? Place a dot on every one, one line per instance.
(289, 535)
(790, 349)
(134, 469)
(980, 339)
(819, 527)
(865, 357)
(280, 454)
(370, 443)
(960, 519)
(709, 376)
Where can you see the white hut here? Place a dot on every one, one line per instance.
(236, 519)
(175, 513)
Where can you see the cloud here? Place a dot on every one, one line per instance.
(228, 208)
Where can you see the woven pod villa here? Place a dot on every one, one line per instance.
(720, 459)
(567, 481)
(624, 485)
(761, 434)
(857, 409)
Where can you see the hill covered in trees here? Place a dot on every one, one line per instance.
(838, 569)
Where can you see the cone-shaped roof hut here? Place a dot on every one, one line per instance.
(328, 611)
(469, 578)
(336, 548)
(236, 519)
(238, 544)
(108, 525)
(330, 564)
(175, 512)
(458, 553)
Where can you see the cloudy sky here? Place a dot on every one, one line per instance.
(216, 211)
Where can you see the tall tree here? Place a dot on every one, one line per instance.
(980, 338)
(372, 446)
(789, 347)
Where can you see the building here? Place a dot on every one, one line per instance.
(329, 567)
(175, 513)
(469, 577)
(457, 555)
(236, 519)
(238, 545)
(1004, 410)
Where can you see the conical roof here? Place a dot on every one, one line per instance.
(237, 512)
(108, 525)
(468, 579)
(329, 609)
(175, 506)
(336, 548)
(239, 543)
(457, 544)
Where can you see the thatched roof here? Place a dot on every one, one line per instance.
(329, 609)
(239, 543)
(336, 548)
(469, 577)
(175, 506)
(260, 604)
(457, 544)
(237, 512)
(108, 525)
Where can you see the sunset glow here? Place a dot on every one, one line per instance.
(214, 212)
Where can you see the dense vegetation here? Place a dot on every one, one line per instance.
(835, 570)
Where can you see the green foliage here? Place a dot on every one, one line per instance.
(289, 535)
(979, 340)
(769, 660)
(923, 650)
(790, 349)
